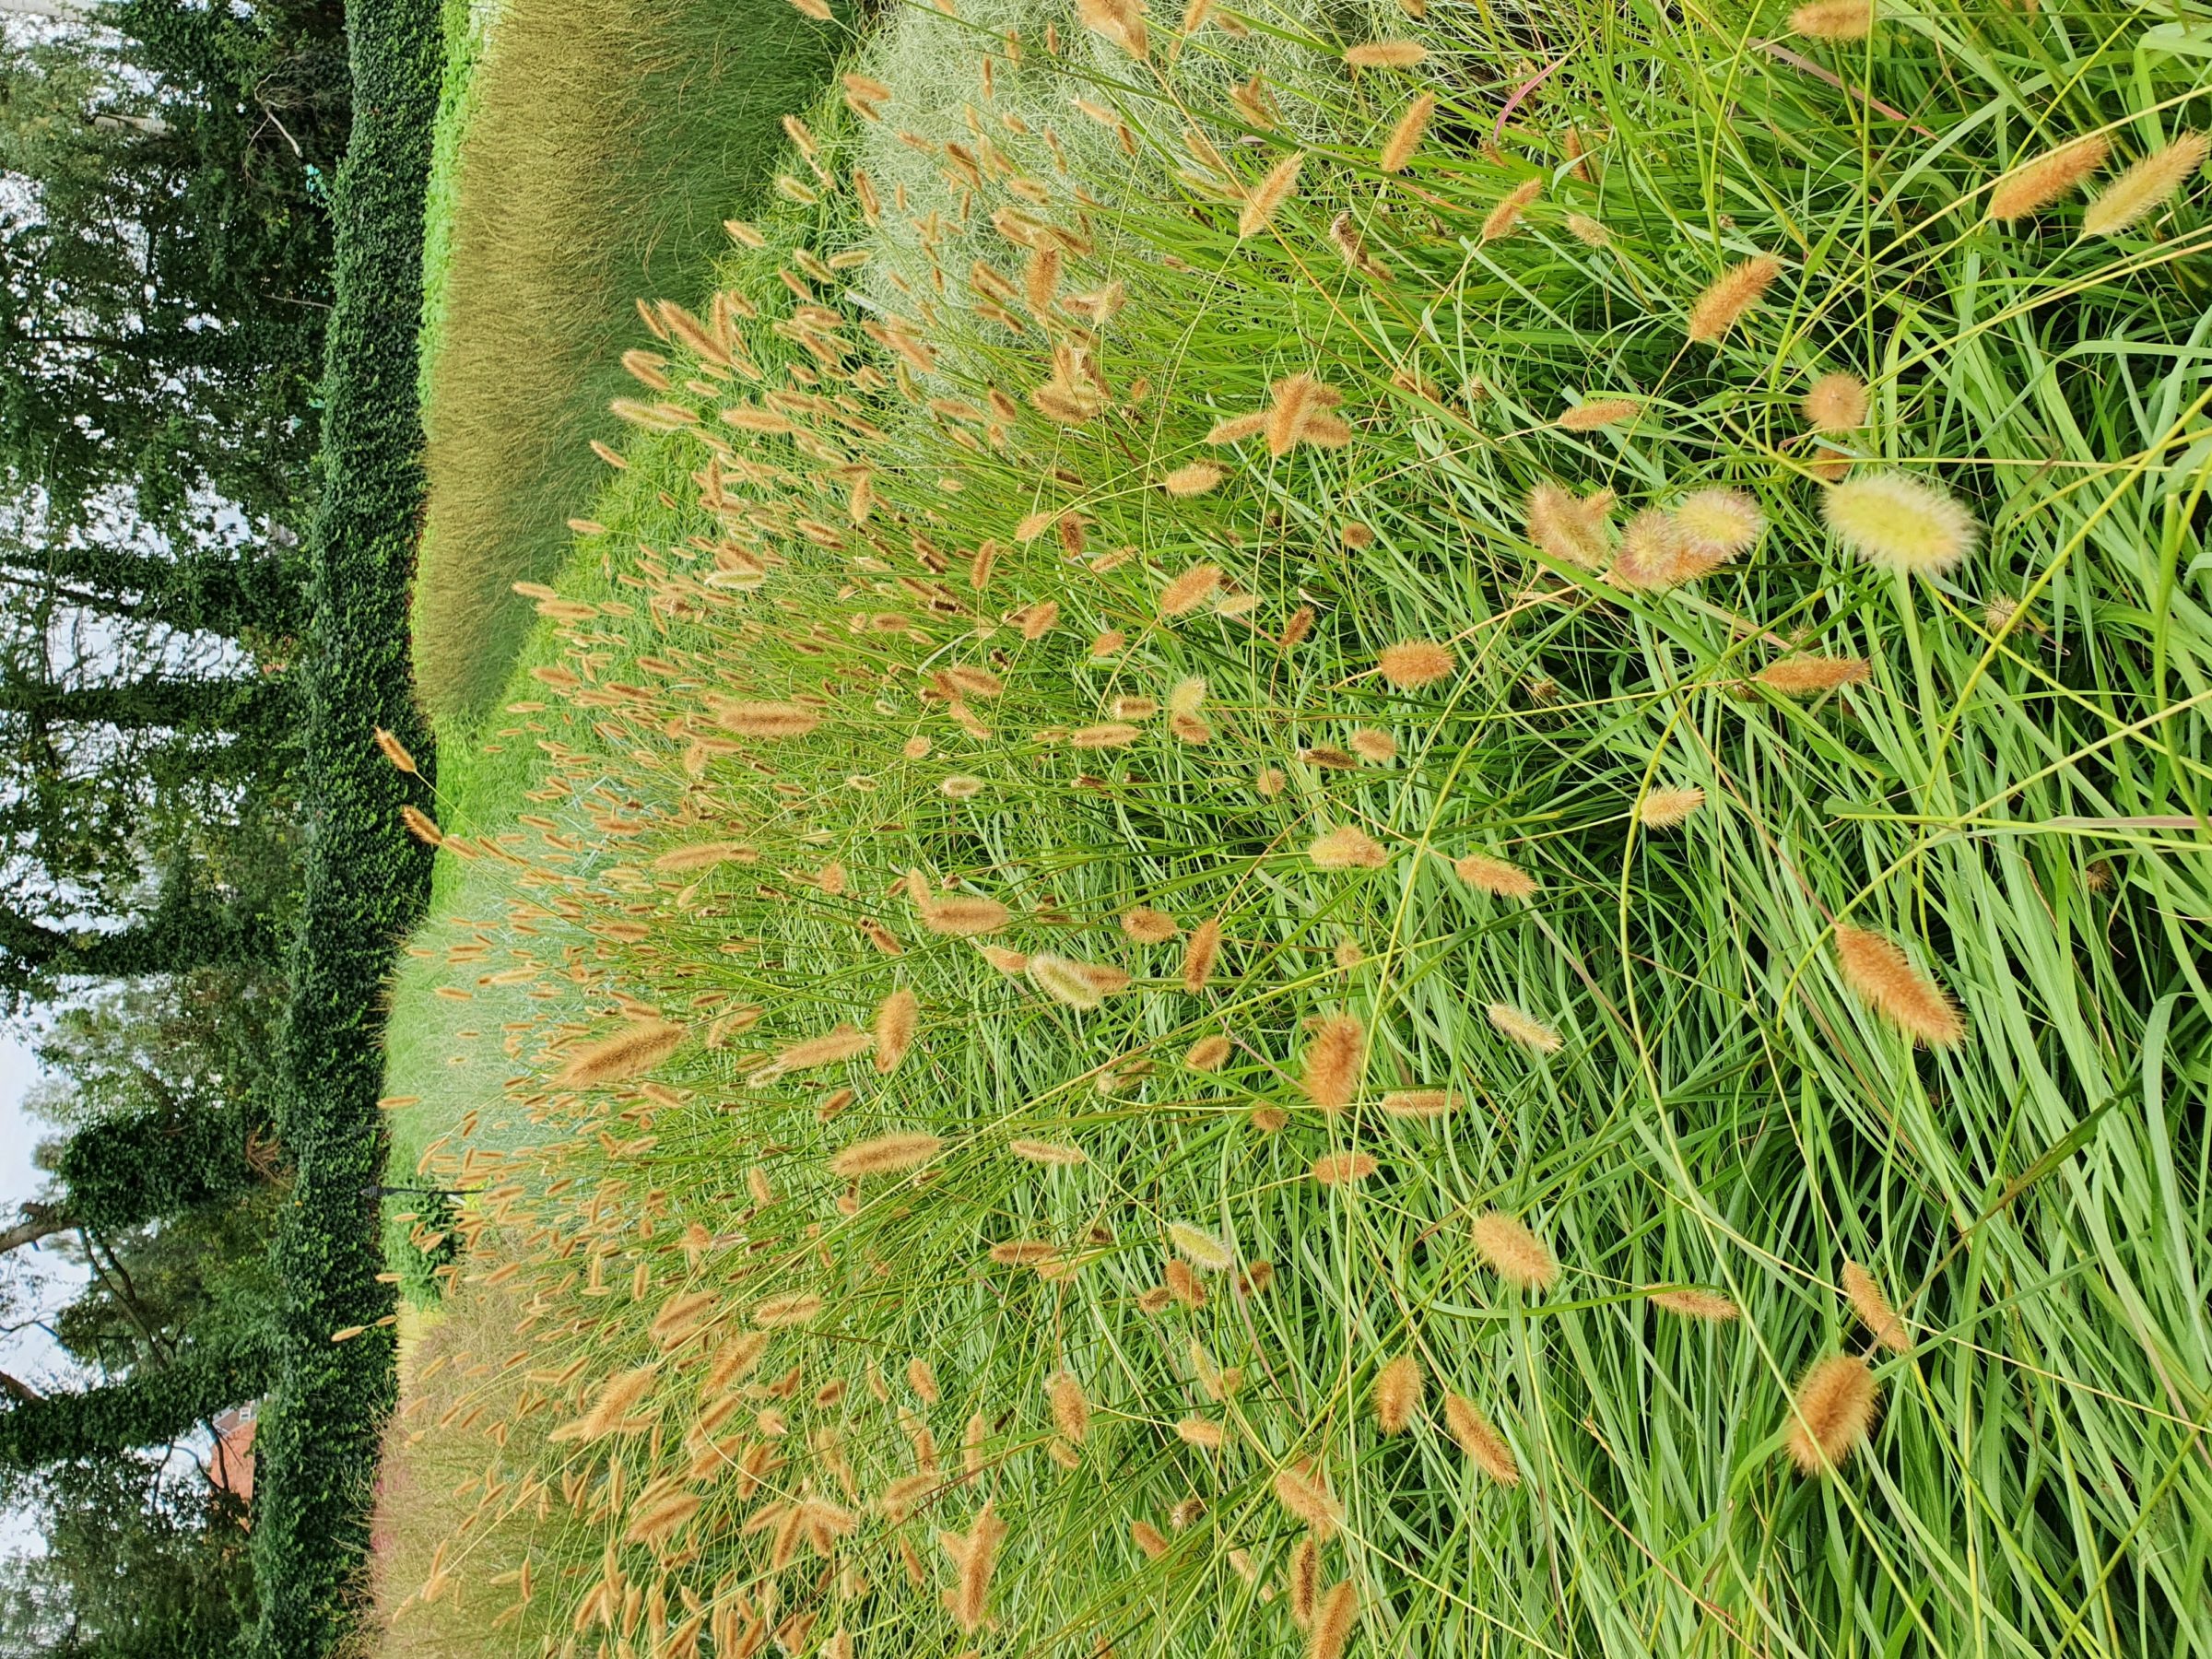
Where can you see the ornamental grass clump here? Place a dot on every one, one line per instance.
(1301, 771)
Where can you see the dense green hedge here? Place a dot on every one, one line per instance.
(365, 881)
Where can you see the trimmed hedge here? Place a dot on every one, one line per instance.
(366, 880)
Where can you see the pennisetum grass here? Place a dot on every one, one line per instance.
(1319, 526)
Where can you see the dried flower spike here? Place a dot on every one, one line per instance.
(1495, 876)
(1885, 979)
(1669, 808)
(1484, 1446)
(1335, 1058)
(1513, 1253)
(1837, 403)
(1346, 848)
(1405, 137)
(1832, 1412)
(2051, 176)
(1874, 1310)
(2144, 188)
(1413, 662)
(1269, 194)
(1523, 1028)
(1735, 291)
(1397, 1394)
(1834, 19)
(1696, 1304)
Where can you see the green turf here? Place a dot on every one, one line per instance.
(598, 150)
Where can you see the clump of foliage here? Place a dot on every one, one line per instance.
(1409, 859)
(364, 881)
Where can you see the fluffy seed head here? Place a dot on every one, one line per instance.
(1495, 876)
(705, 855)
(1412, 663)
(1335, 1058)
(1523, 1028)
(1885, 979)
(1599, 412)
(1484, 1446)
(1513, 1253)
(1302, 1491)
(1269, 194)
(395, 751)
(1809, 675)
(1346, 848)
(1669, 808)
(1386, 55)
(1047, 1152)
(1733, 293)
(1334, 1617)
(1071, 1405)
(1194, 478)
(1874, 1310)
(1199, 1247)
(766, 719)
(1834, 19)
(1695, 1304)
(1397, 1394)
(1420, 1103)
(2144, 188)
(1837, 403)
(1899, 523)
(1305, 1581)
(1571, 531)
(1343, 1168)
(1651, 556)
(2053, 174)
(1832, 1414)
(895, 1017)
(885, 1154)
(1190, 590)
(1208, 1053)
(844, 1042)
(962, 916)
(1065, 980)
(636, 1048)
(1505, 219)
(795, 1308)
(1200, 1432)
(1716, 525)
(1405, 137)
(1200, 953)
(1149, 926)
(1373, 745)
(422, 827)
(609, 1413)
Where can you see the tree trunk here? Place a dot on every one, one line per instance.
(37, 1222)
(149, 1409)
